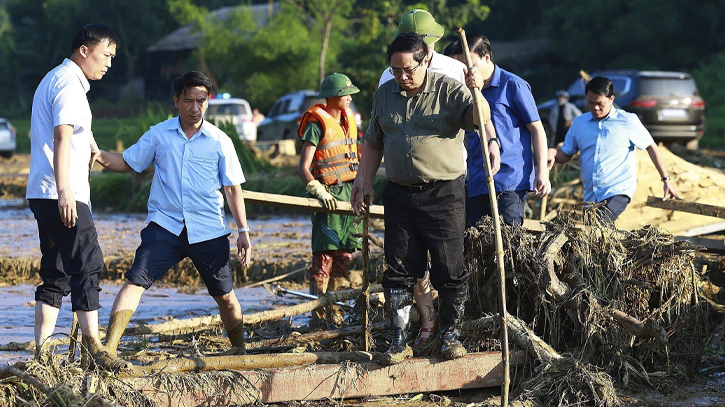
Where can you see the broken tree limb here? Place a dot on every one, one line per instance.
(528, 340)
(58, 398)
(251, 319)
(685, 206)
(550, 251)
(276, 278)
(251, 362)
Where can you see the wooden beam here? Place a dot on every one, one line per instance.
(711, 245)
(703, 230)
(305, 204)
(685, 206)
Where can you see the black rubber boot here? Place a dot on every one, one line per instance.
(398, 302)
(450, 312)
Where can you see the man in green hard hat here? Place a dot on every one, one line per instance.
(328, 165)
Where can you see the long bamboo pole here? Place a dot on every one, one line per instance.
(477, 102)
(367, 336)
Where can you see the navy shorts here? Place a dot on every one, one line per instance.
(71, 261)
(510, 206)
(160, 250)
(613, 207)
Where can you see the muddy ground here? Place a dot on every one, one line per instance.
(281, 244)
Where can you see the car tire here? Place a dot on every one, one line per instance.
(6, 154)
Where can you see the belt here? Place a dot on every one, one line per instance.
(424, 186)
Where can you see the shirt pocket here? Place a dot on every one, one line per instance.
(204, 173)
(391, 127)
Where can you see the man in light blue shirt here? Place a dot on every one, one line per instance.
(193, 160)
(606, 138)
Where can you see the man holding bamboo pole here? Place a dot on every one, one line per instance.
(417, 124)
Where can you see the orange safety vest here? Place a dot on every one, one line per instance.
(337, 156)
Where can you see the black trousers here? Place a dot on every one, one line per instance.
(613, 207)
(71, 261)
(510, 206)
(425, 219)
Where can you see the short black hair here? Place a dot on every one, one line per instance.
(478, 44)
(409, 42)
(600, 85)
(189, 80)
(93, 34)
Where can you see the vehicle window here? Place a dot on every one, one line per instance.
(622, 85)
(243, 110)
(274, 111)
(311, 101)
(294, 105)
(223, 109)
(668, 87)
(4, 126)
(284, 108)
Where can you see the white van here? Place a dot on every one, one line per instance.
(236, 111)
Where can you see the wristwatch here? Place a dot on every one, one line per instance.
(244, 229)
(667, 178)
(496, 140)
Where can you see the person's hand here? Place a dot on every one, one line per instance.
(550, 159)
(495, 155)
(244, 248)
(95, 153)
(670, 191)
(472, 79)
(359, 190)
(542, 186)
(316, 189)
(67, 207)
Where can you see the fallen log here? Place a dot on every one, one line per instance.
(685, 206)
(315, 336)
(251, 362)
(57, 397)
(306, 204)
(251, 319)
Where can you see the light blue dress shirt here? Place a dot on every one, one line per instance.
(512, 109)
(188, 176)
(607, 159)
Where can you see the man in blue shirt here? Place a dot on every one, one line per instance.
(606, 138)
(193, 159)
(517, 123)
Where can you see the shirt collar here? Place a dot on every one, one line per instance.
(428, 84)
(613, 113)
(79, 73)
(495, 77)
(176, 125)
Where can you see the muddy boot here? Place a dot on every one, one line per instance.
(116, 326)
(318, 286)
(450, 312)
(43, 352)
(398, 302)
(93, 355)
(236, 338)
(319, 279)
(334, 313)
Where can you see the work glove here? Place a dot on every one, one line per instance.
(316, 189)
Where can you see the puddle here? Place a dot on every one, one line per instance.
(157, 305)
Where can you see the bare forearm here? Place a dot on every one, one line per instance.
(540, 147)
(61, 156)
(370, 163)
(656, 157)
(114, 162)
(235, 200)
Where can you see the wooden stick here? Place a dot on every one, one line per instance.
(73, 339)
(305, 204)
(316, 336)
(685, 206)
(477, 102)
(367, 335)
(276, 278)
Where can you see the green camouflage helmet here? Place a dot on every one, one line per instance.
(336, 84)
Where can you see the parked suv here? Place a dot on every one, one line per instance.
(7, 138)
(236, 111)
(285, 115)
(668, 103)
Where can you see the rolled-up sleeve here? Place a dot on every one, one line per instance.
(374, 135)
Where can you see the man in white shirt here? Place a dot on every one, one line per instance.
(62, 150)
(422, 23)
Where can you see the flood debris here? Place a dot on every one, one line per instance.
(597, 309)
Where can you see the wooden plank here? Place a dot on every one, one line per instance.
(685, 206)
(306, 204)
(703, 230)
(315, 382)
